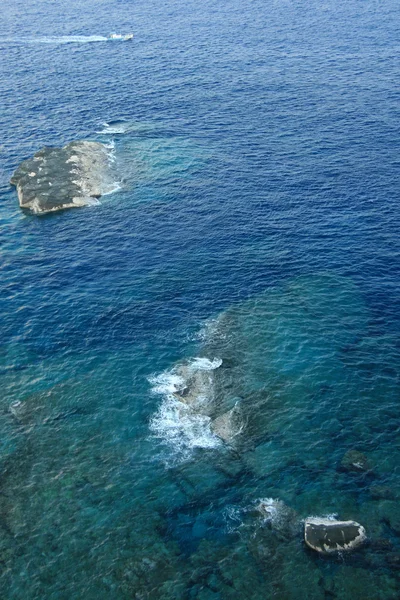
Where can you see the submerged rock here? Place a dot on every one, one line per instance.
(197, 389)
(381, 492)
(393, 560)
(351, 583)
(282, 519)
(381, 545)
(328, 535)
(356, 461)
(389, 512)
(57, 178)
(229, 425)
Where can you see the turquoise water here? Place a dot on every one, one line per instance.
(251, 254)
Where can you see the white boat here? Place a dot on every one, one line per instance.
(120, 37)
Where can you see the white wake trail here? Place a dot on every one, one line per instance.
(64, 39)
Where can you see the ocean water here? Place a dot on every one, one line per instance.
(222, 329)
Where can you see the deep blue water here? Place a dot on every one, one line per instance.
(257, 224)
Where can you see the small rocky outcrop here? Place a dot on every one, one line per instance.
(328, 535)
(57, 178)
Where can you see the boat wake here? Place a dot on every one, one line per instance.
(63, 39)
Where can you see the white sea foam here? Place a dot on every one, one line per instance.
(110, 146)
(205, 364)
(91, 202)
(178, 424)
(110, 187)
(183, 428)
(115, 187)
(274, 511)
(111, 151)
(328, 518)
(121, 126)
(210, 330)
(167, 383)
(114, 128)
(233, 516)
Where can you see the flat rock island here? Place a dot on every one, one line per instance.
(58, 178)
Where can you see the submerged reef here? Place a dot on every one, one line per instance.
(69, 177)
(247, 444)
(283, 405)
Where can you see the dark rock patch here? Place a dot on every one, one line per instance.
(389, 511)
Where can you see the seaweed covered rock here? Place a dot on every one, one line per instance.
(57, 178)
(328, 535)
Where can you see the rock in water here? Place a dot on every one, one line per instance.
(58, 178)
(328, 535)
(354, 460)
(228, 425)
(282, 519)
(197, 391)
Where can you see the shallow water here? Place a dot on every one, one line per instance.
(251, 254)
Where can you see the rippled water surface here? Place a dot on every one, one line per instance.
(222, 329)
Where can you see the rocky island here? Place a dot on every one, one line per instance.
(58, 178)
